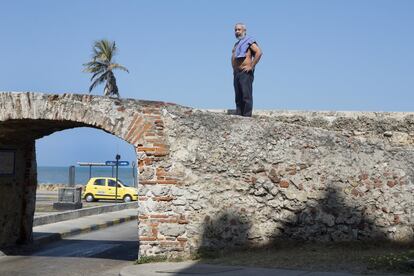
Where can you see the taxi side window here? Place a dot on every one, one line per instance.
(111, 183)
(99, 182)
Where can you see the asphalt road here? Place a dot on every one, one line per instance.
(103, 252)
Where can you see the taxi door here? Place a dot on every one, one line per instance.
(112, 190)
(99, 188)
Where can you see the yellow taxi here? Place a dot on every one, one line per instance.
(104, 188)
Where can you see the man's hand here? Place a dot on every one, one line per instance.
(247, 68)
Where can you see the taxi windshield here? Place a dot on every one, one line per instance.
(120, 182)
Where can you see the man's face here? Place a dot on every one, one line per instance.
(239, 31)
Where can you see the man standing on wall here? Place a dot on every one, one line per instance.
(245, 56)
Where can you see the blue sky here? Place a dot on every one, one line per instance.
(318, 55)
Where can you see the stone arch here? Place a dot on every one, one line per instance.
(25, 117)
(126, 119)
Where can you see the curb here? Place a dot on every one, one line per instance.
(90, 211)
(76, 231)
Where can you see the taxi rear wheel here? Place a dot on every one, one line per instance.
(127, 198)
(89, 198)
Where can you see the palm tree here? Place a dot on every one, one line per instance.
(102, 65)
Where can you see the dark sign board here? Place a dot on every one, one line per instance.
(7, 162)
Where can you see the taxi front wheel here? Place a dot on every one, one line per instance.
(89, 198)
(127, 198)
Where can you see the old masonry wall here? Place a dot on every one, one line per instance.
(213, 180)
(318, 176)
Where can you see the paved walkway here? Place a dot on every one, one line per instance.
(195, 268)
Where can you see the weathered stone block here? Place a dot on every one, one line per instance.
(172, 230)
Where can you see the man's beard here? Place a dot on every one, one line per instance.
(240, 37)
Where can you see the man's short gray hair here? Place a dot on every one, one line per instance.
(242, 25)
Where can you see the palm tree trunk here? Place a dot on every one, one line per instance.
(111, 89)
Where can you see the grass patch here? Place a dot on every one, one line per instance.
(403, 262)
(158, 259)
(151, 259)
(355, 257)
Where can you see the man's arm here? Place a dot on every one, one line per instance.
(233, 59)
(257, 54)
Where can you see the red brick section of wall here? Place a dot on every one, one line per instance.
(146, 132)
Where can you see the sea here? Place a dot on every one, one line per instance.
(60, 175)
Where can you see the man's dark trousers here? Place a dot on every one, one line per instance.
(243, 87)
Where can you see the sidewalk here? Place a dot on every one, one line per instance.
(53, 217)
(55, 231)
(196, 268)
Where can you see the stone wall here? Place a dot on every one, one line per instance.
(18, 197)
(321, 176)
(208, 179)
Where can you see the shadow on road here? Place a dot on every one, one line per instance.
(104, 249)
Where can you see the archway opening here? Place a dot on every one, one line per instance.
(76, 155)
(18, 181)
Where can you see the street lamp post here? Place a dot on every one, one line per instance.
(134, 177)
(117, 157)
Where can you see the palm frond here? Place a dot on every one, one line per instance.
(98, 81)
(96, 69)
(96, 62)
(102, 71)
(117, 66)
(104, 50)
